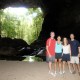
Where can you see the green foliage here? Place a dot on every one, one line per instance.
(1, 14)
(26, 27)
(8, 27)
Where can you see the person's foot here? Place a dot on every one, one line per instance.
(79, 73)
(74, 72)
(63, 72)
(60, 72)
(55, 73)
(70, 71)
(51, 73)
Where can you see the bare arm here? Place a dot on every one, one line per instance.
(48, 51)
(70, 50)
(78, 48)
(47, 48)
(79, 51)
(62, 50)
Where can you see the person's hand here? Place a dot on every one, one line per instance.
(70, 56)
(49, 55)
(79, 55)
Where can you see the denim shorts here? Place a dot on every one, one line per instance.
(58, 56)
(66, 57)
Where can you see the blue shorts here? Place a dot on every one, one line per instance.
(66, 57)
(58, 56)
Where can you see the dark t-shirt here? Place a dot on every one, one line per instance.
(74, 47)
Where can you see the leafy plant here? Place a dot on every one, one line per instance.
(27, 26)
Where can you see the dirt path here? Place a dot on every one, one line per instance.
(17, 70)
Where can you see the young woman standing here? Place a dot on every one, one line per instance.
(58, 53)
(66, 54)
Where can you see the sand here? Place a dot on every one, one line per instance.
(19, 70)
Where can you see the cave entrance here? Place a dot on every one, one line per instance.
(21, 22)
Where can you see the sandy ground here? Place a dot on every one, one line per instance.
(18, 70)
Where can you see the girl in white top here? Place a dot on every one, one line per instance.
(66, 49)
(66, 54)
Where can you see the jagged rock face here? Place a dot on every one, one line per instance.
(26, 3)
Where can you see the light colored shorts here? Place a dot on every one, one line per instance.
(50, 59)
(75, 59)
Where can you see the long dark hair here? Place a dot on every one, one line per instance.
(63, 41)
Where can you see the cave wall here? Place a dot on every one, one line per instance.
(61, 16)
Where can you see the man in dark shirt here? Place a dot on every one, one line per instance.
(74, 53)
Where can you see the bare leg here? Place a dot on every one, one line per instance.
(69, 66)
(74, 68)
(59, 65)
(63, 66)
(78, 66)
(50, 66)
(55, 65)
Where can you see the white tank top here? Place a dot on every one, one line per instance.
(66, 49)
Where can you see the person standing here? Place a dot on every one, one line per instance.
(66, 54)
(50, 51)
(58, 55)
(74, 53)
